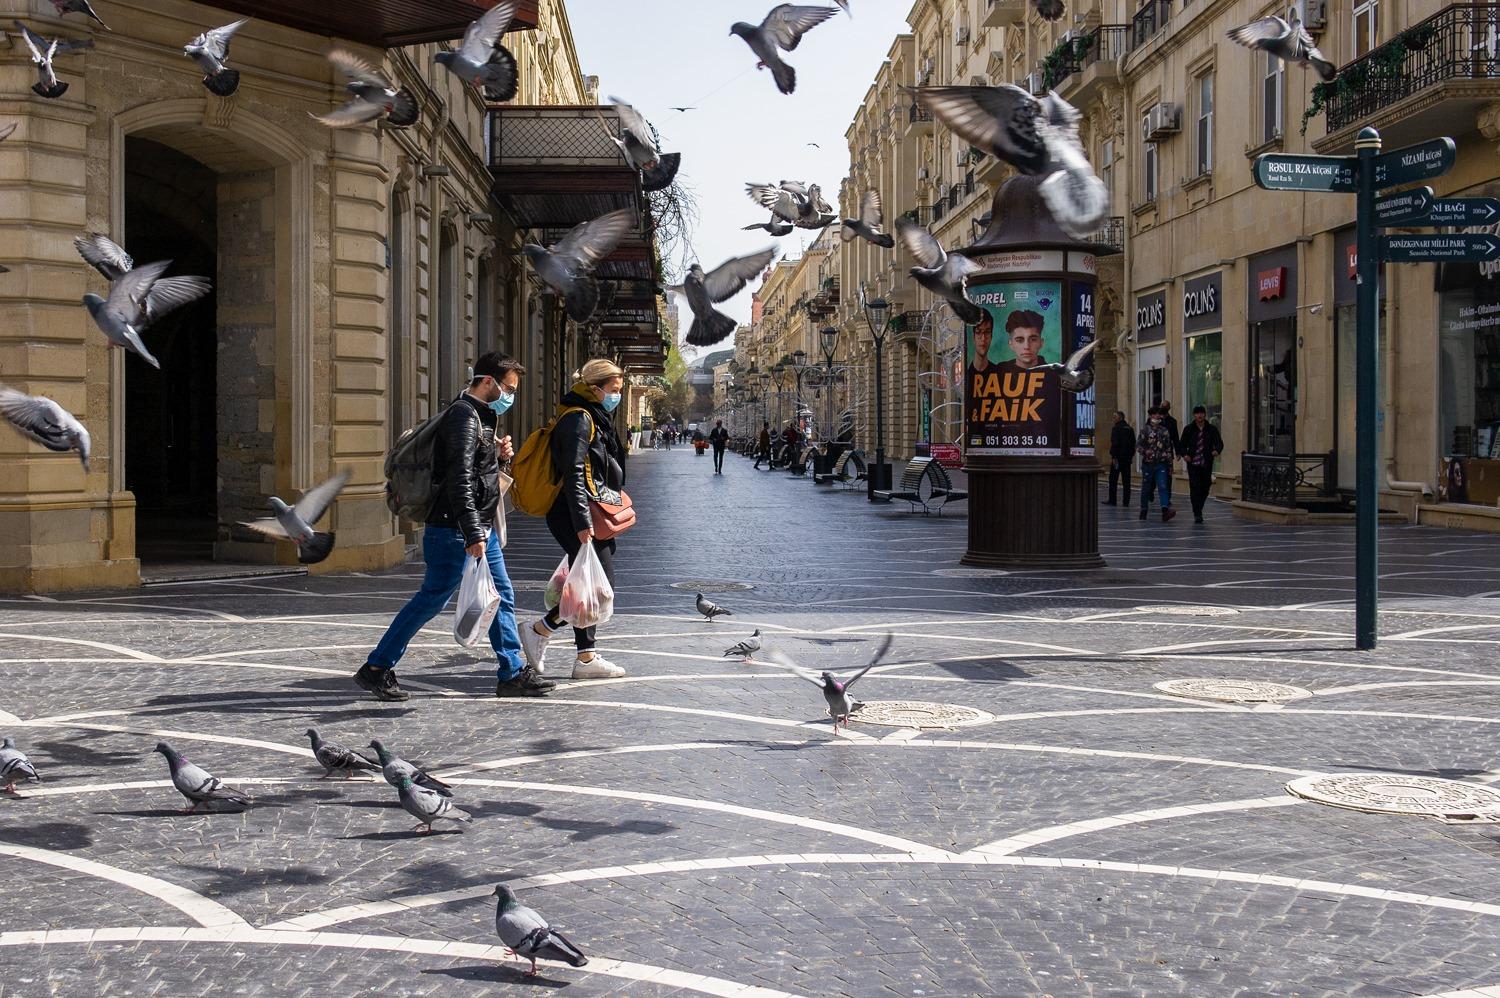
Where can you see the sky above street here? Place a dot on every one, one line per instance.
(659, 53)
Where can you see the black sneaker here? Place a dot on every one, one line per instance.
(525, 684)
(381, 682)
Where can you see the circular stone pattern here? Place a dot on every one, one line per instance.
(1397, 793)
(920, 714)
(712, 586)
(969, 573)
(1186, 610)
(1232, 690)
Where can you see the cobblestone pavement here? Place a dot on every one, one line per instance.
(699, 829)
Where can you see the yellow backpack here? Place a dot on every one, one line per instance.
(536, 481)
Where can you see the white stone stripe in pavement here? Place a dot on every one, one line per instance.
(1016, 843)
(1493, 991)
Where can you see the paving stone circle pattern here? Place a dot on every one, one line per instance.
(1400, 793)
(1233, 690)
(921, 714)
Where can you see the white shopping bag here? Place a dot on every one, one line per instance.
(478, 602)
(587, 597)
(553, 595)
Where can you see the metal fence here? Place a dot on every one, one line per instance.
(1288, 480)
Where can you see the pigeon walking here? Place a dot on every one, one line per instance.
(335, 758)
(710, 609)
(42, 53)
(782, 29)
(395, 769)
(704, 290)
(567, 266)
(294, 523)
(1288, 41)
(529, 936)
(14, 766)
(775, 227)
(480, 59)
(746, 649)
(137, 298)
(196, 784)
(867, 225)
(428, 806)
(210, 51)
(372, 96)
(78, 7)
(1072, 375)
(44, 421)
(939, 271)
(836, 691)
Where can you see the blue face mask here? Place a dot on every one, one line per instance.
(502, 404)
(611, 402)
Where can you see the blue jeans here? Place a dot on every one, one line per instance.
(443, 550)
(1157, 476)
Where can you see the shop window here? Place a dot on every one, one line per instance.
(1205, 375)
(1366, 26)
(1273, 386)
(1469, 389)
(1153, 387)
(1204, 136)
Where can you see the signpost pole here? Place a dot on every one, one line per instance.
(1366, 401)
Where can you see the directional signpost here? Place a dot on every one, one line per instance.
(1364, 174)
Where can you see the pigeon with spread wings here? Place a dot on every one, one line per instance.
(78, 7)
(294, 523)
(835, 690)
(1072, 375)
(1285, 40)
(704, 290)
(782, 30)
(867, 225)
(937, 270)
(481, 60)
(638, 143)
(210, 51)
(372, 96)
(44, 421)
(567, 266)
(137, 298)
(43, 52)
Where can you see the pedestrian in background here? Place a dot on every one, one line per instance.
(718, 439)
(1170, 422)
(1121, 457)
(763, 445)
(1155, 448)
(1201, 444)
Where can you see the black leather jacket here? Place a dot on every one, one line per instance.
(466, 469)
(585, 465)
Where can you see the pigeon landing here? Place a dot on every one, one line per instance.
(710, 609)
(835, 691)
(867, 225)
(703, 291)
(1288, 41)
(14, 766)
(196, 784)
(372, 96)
(939, 271)
(137, 298)
(42, 53)
(782, 29)
(294, 523)
(567, 266)
(44, 421)
(481, 60)
(210, 51)
(78, 7)
(335, 758)
(428, 806)
(396, 769)
(529, 936)
(1072, 375)
(747, 648)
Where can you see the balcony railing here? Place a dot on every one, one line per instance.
(1111, 233)
(1289, 480)
(1461, 42)
(918, 113)
(1150, 19)
(1070, 58)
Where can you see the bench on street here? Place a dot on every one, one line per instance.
(849, 469)
(925, 483)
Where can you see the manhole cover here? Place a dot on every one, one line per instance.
(1395, 793)
(1185, 610)
(920, 714)
(712, 586)
(969, 573)
(1232, 690)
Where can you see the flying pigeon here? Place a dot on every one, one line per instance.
(372, 96)
(844, 4)
(6, 130)
(529, 936)
(784, 202)
(637, 141)
(710, 609)
(1073, 376)
(78, 7)
(867, 225)
(1289, 42)
(104, 255)
(939, 271)
(783, 28)
(775, 227)
(395, 769)
(43, 420)
(196, 784)
(836, 691)
(796, 187)
(428, 806)
(1049, 10)
(815, 199)
(480, 59)
(210, 51)
(567, 266)
(682, 110)
(747, 648)
(42, 53)
(710, 326)
(335, 758)
(137, 299)
(294, 523)
(15, 766)
(1076, 197)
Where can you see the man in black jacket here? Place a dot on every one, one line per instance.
(1121, 456)
(718, 439)
(1201, 443)
(466, 458)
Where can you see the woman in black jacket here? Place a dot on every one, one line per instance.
(590, 460)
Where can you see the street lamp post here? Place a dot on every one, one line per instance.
(878, 477)
(828, 338)
(765, 396)
(778, 370)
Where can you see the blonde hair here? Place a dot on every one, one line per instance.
(598, 371)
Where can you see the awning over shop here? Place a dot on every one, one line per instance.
(386, 23)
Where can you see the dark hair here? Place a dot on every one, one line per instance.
(1024, 319)
(986, 319)
(1120, 413)
(1155, 410)
(1198, 408)
(496, 365)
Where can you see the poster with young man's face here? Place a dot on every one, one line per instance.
(1011, 407)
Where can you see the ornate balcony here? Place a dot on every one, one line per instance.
(1085, 64)
(1111, 233)
(1003, 12)
(1150, 19)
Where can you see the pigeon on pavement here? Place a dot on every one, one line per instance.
(137, 299)
(567, 266)
(529, 936)
(939, 271)
(395, 769)
(1286, 41)
(294, 523)
(78, 7)
(710, 609)
(480, 59)
(428, 806)
(775, 227)
(335, 758)
(704, 290)
(1072, 375)
(196, 784)
(867, 225)
(42, 53)
(15, 766)
(836, 691)
(40, 419)
(783, 29)
(210, 51)
(372, 96)
(747, 648)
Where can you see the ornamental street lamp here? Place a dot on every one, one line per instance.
(828, 338)
(799, 367)
(878, 478)
(778, 370)
(765, 396)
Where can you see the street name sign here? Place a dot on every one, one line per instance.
(1287, 172)
(1464, 248)
(1419, 162)
(1404, 208)
(1455, 211)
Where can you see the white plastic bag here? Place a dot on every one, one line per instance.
(587, 597)
(553, 595)
(478, 602)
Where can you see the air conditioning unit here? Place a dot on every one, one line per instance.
(1312, 13)
(1162, 119)
(922, 173)
(961, 36)
(1032, 84)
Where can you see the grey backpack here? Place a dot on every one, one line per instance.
(409, 491)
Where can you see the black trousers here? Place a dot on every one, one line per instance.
(561, 524)
(1119, 472)
(718, 457)
(762, 454)
(1200, 480)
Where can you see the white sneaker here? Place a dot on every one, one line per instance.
(534, 646)
(598, 667)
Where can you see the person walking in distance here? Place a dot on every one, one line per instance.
(1201, 444)
(1155, 448)
(763, 445)
(718, 439)
(462, 524)
(588, 459)
(1121, 457)
(1170, 422)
